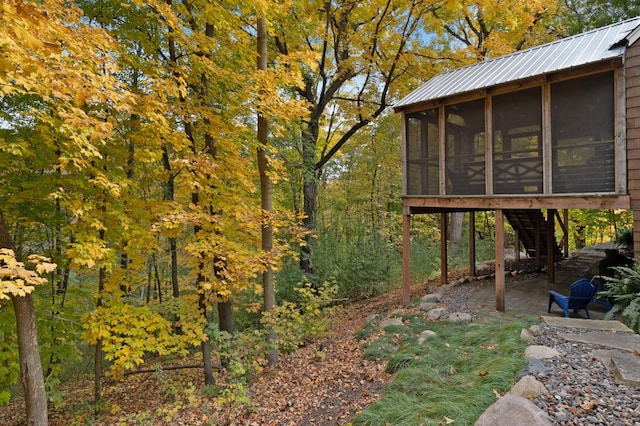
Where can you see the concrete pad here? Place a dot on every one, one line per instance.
(622, 341)
(626, 370)
(589, 324)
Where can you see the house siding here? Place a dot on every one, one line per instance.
(632, 84)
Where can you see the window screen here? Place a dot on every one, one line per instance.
(465, 148)
(422, 153)
(582, 125)
(517, 142)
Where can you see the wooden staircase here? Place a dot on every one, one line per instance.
(526, 222)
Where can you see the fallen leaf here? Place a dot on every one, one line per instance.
(448, 421)
(483, 373)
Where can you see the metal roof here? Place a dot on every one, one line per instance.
(590, 47)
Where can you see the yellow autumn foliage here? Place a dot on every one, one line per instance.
(16, 279)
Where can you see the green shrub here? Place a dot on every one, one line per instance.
(624, 291)
(296, 324)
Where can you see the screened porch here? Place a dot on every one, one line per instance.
(552, 138)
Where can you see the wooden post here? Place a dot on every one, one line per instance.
(517, 248)
(500, 260)
(551, 246)
(473, 271)
(406, 259)
(444, 224)
(538, 240)
(565, 228)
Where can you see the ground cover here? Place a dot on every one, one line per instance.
(326, 382)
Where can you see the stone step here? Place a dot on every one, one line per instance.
(622, 358)
(589, 324)
(626, 370)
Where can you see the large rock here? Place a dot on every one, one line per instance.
(427, 306)
(372, 318)
(389, 322)
(526, 335)
(431, 298)
(425, 335)
(437, 314)
(460, 318)
(528, 387)
(511, 410)
(533, 368)
(540, 352)
(535, 330)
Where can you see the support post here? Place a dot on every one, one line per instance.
(499, 260)
(565, 229)
(538, 231)
(444, 225)
(551, 242)
(473, 271)
(406, 259)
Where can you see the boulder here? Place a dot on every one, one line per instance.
(533, 368)
(528, 387)
(437, 314)
(431, 298)
(540, 352)
(372, 318)
(514, 410)
(460, 318)
(425, 335)
(389, 322)
(427, 306)
(526, 335)
(535, 330)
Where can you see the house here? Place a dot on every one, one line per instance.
(549, 128)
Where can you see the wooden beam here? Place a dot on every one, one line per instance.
(473, 270)
(515, 202)
(406, 259)
(551, 242)
(443, 248)
(499, 261)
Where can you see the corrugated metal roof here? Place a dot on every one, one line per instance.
(593, 46)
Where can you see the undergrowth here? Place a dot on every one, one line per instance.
(451, 377)
(624, 291)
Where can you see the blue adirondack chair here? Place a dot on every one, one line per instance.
(581, 293)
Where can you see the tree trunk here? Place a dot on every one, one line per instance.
(28, 349)
(30, 367)
(174, 267)
(310, 194)
(455, 235)
(205, 346)
(169, 195)
(225, 317)
(97, 364)
(266, 196)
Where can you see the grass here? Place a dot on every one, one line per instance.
(452, 377)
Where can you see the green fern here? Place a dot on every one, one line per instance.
(624, 291)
